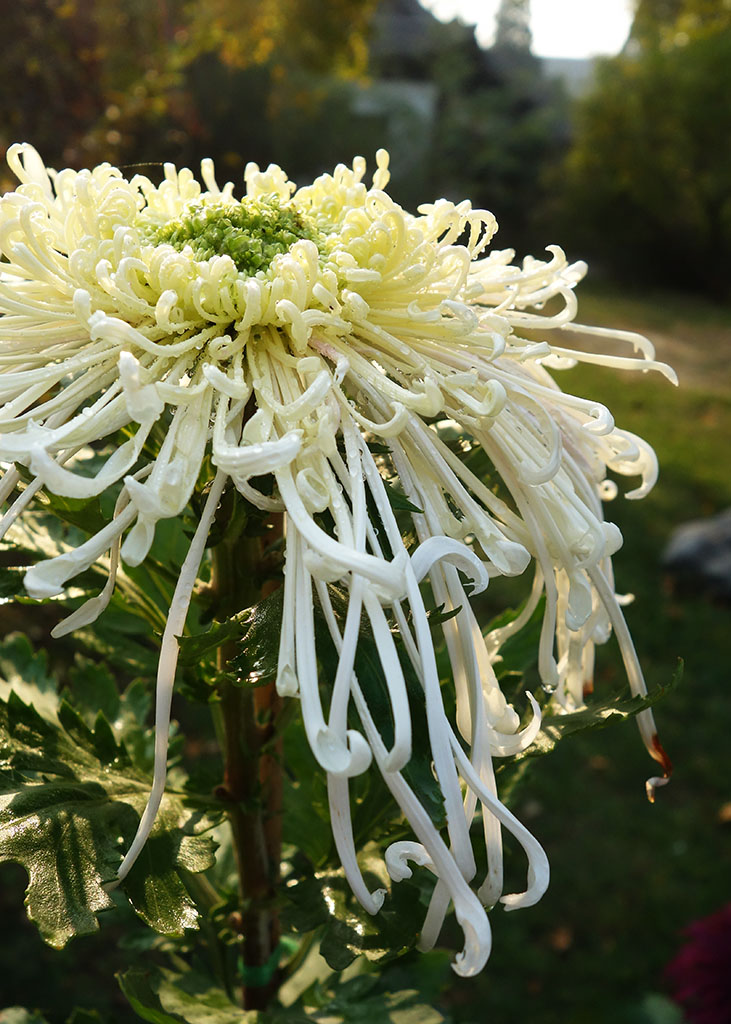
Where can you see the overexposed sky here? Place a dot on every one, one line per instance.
(561, 28)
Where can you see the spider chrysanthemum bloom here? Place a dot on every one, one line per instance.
(327, 338)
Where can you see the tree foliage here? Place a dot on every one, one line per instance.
(117, 80)
(649, 169)
(672, 22)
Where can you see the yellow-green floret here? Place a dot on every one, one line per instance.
(252, 232)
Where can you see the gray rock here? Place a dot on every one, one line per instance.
(699, 552)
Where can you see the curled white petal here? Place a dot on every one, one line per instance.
(437, 549)
(398, 856)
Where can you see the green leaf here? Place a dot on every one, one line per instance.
(81, 1016)
(71, 801)
(258, 659)
(121, 638)
(519, 652)
(362, 1000)
(26, 673)
(34, 535)
(12, 583)
(399, 502)
(324, 899)
(84, 513)
(439, 615)
(164, 997)
(93, 689)
(142, 594)
(306, 817)
(171, 997)
(154, 886)
(256, 631)
(93, 692)
(597, 715)
(656, 1009)
(19, 1015)
(199, 646)
(137, 987)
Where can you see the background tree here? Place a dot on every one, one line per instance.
(664, 20)
(647, 177)
(129, 81)
(502, 122)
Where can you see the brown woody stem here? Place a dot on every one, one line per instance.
(252, 781)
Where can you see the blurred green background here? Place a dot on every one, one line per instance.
(628, 166)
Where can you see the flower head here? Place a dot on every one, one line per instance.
(328, 338)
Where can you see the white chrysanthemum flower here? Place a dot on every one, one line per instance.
(326, 337)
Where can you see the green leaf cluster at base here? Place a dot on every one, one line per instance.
(166, 997)
(72, 788)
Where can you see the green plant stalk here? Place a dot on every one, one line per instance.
(207, 897)
(252, 779)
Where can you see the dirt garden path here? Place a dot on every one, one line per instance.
(693, 336)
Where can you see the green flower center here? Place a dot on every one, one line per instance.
(252, 232)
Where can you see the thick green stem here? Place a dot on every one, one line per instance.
(252, 783)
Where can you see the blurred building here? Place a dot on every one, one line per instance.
(575, 74)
